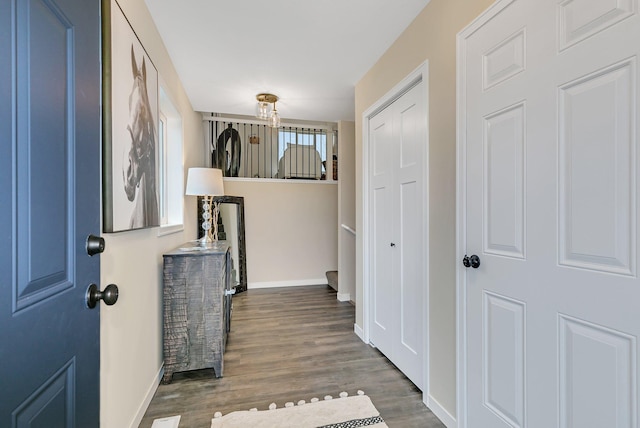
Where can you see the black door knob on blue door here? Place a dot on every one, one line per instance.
(95, 245)
(473, 261)
(109, 296)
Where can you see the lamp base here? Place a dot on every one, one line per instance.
(210, 244)
(205, 240)
(210, 215)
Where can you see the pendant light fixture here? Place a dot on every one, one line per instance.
(274, 118)
(262, 109)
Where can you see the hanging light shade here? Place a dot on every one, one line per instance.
(262, 108)
(274, 118)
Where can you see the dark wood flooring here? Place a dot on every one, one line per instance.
(290, 344)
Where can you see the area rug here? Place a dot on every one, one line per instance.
(344, 412)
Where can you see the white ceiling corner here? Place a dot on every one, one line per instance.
(310, 54)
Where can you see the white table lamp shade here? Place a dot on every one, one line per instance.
(205, 182)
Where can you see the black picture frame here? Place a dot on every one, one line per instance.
(126, 65)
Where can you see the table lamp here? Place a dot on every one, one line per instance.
(207, 182)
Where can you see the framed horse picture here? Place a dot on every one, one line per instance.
(130, 133)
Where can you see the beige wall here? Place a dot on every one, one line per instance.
(432, 37)
(131, 354)
(346, 210)
(291, 236)
(290, 229)
(131, 341)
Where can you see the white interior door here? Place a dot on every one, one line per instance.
(397, 255)
(384, 308)
(549, 135)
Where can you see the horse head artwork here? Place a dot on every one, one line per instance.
(139, 170)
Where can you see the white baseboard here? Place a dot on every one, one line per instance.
(344, 297)
(147, 399)
(441, 413)
(358, 331)
(294, 283)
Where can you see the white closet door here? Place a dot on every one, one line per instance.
(397, 138)
(409, 130)
(551, 210)
(384, 308)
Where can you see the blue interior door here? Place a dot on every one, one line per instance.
(49, 204)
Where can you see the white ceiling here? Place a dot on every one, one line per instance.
(309, 53)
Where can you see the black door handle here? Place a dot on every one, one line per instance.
(109, 295)
(95, 245)
(473, 261)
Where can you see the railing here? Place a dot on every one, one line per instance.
(348, 229)
(251, 149)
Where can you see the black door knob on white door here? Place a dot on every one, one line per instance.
(473, 261)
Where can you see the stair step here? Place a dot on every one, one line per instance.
(332, 279)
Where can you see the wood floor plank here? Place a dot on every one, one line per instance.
(290, 344)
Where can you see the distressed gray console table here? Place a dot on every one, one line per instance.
(197, 308)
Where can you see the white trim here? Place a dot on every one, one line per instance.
(425, 234)
(163, 161)
(292, 283)
(461, 177)
(441, 413)
(344, 297)
(331, 126)
(358, 331)
(142, 409)
(168, 229)
(420, 74)
(279, 180)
